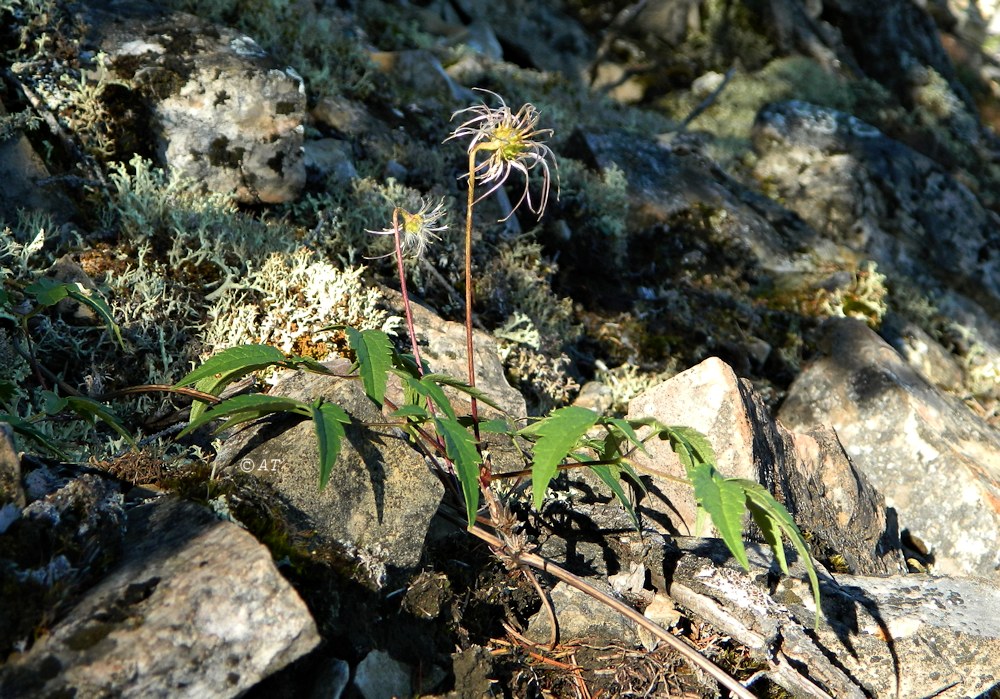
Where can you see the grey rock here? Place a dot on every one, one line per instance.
(331, 679)
(936, 462)
(666, 182)
(880, 198)
(381, 494)
(580, 616)
(224, 112)
(380, 676)
(22, 171)
(330, 156)
(935, 636)
(195, 609)
(809, 473)
(58, 544)
(922, 352)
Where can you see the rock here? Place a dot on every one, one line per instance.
(936, 462)
(935, 636)
(185, 575)
(22, 171)
(923, 353)
(665, 184)
(223, 111)
(381, 495)
(380, 676)
(809, 473)
(880, 198)
(330, 157)
(60, 543)
(661, 611)
(580, 616)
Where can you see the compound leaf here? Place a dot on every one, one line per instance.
(226, 367)
(247, 407)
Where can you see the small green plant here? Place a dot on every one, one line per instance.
(500, 142)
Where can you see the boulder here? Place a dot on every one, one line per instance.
(222, 110)
(905, 636)
(381, 495)
(196, 608)
(937, 463)
(809, 473)
(880, 198)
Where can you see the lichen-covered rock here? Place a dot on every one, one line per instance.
(196, 609)
(810, 472)
(222, 111)
(880, 198)
(381, 495)
(936, 462)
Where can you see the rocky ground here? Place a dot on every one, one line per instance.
(776, 223)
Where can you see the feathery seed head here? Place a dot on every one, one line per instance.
(416, 230)
(511, 141)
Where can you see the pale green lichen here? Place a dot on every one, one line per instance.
(289, 300)
(628, 381)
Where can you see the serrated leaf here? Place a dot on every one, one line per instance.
(47, 292)
(695, 445)
(328, 420)
(228, 366)
(458, 385)
(461, 449)
(724, 501)
(26, 429)
(248, 407)
(610, 478)
(431, 391)
(234, 362)
(627, 430)
(374, 352)
(557, 434)
(759, 496)
(770, 530)
(496, 426)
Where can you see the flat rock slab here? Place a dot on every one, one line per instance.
(196, 609)
(919, 634)
(937, 463)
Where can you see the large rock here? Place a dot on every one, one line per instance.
(809, 473)
(936, 462)
(381, 495)
(196, 609)
(905, 636)
(223, 111)
(880, 198)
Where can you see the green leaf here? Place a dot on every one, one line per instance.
(91, 410)
(724, 501)
(26, 429)
(329, 420)
(417, 411)
(248, 407)
(626, 429)
(691, 446)
(433, 392)
(461, 449)
(49, 292)
(760, 499)
(496, 426)
(228, 366)
(374, 352)
(610, 478)
(557, 434)
(445, 380)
